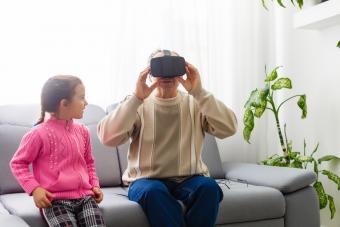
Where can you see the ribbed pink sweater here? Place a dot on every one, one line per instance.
(61, 156)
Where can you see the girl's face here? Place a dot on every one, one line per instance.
(75, 108)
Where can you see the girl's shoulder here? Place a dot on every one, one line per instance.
(81, 127)
(33, 134)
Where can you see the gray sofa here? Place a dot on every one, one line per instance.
(254, 195)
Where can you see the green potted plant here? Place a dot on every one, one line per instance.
(297, 2)
(261, 100)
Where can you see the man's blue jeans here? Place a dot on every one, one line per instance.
(158, 198)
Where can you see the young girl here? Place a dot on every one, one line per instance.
(63, 184)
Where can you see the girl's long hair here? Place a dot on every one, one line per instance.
(54, 90)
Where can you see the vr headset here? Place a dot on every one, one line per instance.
(167, 66)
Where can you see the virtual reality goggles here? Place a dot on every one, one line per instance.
(167, 66)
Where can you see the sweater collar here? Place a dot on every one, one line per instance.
(66, 124)
(167, 101)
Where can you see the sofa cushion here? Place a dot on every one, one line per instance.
(22, 205)
(23, 115)
(211, 157)
(245, 203)
(10, 137)
(117, 209)
(279, 222)
(285, 179)
(109, 171)
(3, 210)
(106, 161)
(11, 220)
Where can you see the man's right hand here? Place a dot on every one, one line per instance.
(42, 198)
(142, 89)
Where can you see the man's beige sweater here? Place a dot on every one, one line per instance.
(166, 134)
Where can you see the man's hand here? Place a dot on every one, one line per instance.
(98, 194)
(42, 198)
(142, 89)
(193, 80)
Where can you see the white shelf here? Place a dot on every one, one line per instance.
(320, 16)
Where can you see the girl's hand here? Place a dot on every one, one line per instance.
(193, 80)
(42, 198)
(142, 89)
(98, 194)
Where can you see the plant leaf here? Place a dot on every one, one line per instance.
(331, 206)
(338, 44)
(292, 1)
(327, 158)
(246, 134)
(248, 118)
(300, 3)
(315, 149)
(291, 154)
(264, 93)
(279, 161)
(269, 158)
(259, 110)
(290, 147)
(248, 121)
(282, 83)
(332, 176)
(303, 106)
(252, 99)
(296, 164)
(305, 158)
(321, 193)
(316, 168)
(264, 4)
(280, 3)
(273, 75)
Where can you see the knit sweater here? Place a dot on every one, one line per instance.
(166, 134)
(61, 156)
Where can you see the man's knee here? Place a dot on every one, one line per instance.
(146, 189)
(210, 188)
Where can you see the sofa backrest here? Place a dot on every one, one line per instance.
(210, 153)
(16, 120)
(106, 159)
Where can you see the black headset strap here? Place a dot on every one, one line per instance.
(167, 52)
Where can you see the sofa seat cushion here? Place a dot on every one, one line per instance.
(3, 210)
(117, 209)
(11, 220)
(22, 205)
(245, 203)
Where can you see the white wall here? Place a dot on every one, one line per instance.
(255, 42)
(311, 59)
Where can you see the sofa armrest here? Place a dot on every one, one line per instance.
(284, 179)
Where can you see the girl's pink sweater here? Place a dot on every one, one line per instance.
(61, 156)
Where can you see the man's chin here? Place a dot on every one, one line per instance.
(169, 83)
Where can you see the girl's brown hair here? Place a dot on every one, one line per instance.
(54, 90)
